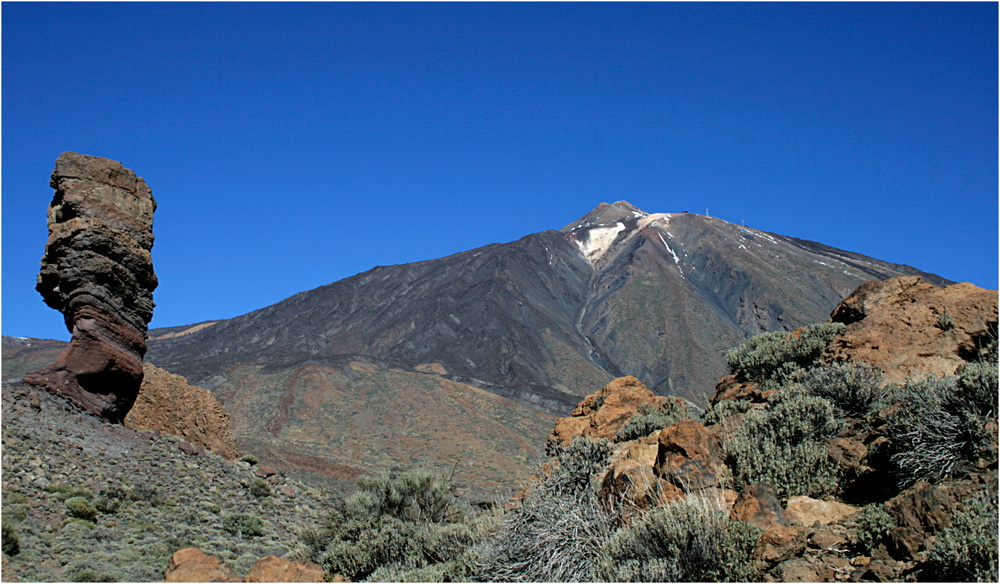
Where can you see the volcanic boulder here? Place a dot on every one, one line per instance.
(97, 270)
(907, 327)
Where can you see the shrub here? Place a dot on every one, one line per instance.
(148, 494)
(784, 445)
(63, 492)
(243, 525)
(107, 505)
(11, 541)
(400, 521)
(940, 422)
(854, 389)
(80, 508)
(967, 550)
(691, 540)
(556, 533)
(249, 459)
(874, 525)
(776, 356)
(651, 419)
(260, 488)
(724, 409)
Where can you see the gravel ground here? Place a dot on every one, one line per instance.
(168, 499)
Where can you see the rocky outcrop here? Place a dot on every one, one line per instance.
(602, 414)
(194, 565)
(275, 569)
(97, 270)
(907, 327)
(166, 402)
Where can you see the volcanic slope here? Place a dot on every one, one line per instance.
(542, 321)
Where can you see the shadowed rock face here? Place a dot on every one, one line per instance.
(97, 270)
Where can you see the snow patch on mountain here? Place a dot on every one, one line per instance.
(598, 241)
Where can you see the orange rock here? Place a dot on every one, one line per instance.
(630, 478)
(807, 512)
(166, 402)
(907, 327)
(275, 569)
(194, 565)
(602, 414)
(689, 455)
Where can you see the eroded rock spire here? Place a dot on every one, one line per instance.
(97, 270)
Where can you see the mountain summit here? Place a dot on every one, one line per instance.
(543, 321)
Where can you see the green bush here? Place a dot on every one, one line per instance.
(146, 494)
(243, 525)
(938, 423)
(854, 389)
(777, 356)
(11, 541)
(63, 492)
(873, 526)
(249, 459)
(401, 522)
(260, 488)
(80, 508)
(726, 408)
(784, 444)
(967, 550)
(651, 419)
(689, 541)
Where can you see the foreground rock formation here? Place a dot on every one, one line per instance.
(868, 522)
(97, 270)
(167, 403)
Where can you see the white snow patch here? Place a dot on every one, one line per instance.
(676, 259)
(599, 240)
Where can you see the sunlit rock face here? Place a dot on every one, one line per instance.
(97, 270)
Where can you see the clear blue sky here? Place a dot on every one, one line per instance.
(292, 145)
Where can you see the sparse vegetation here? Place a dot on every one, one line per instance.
(80, 508)
(243, 525)
(776, 357)
(856, 390)
(784, 445)
(651, 419)
(11, 541)
(260, 488)
(967, 549)
(873, 526)
(402, 521)
(692, 540)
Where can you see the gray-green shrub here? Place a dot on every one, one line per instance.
(260, 488)
(855, 389)
(249, 459)
(967, 550)
(650, 419)
(939, 422)
(402, 520)
(777, 356)
(80, 508)
(873, 526)
(784, 444)
(692, 540)
(556, 533)
(11, 541)
(243, 525)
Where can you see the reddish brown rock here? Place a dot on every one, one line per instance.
(275, 569)
(194, 565)
(97, 270)
(630, 477)
(920, 512)
(602, 414)
(808, 512)
(689, 456)
(166, 402)
(757, 504)
(907, 327)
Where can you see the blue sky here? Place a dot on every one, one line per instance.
(292, 145)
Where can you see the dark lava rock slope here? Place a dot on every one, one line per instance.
(547, 318)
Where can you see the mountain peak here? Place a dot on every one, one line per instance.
(606, 214)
